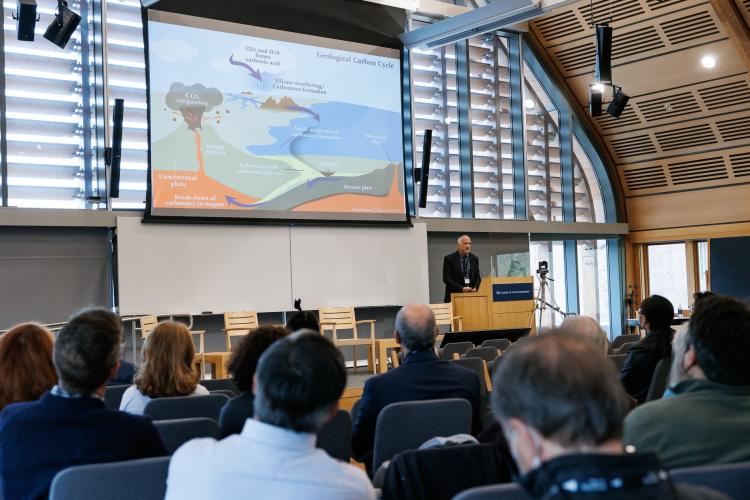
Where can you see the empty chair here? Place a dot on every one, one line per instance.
(113, 395)
(440, 473)
(730, 479)
(660, 379)
(456, 347)
(336, 436)
(343, 318)
(618, 360)
(478, 366)
(229, 394)
(624, 339)
(510, 491)
(406, 425)
(175, 433)
(144, 479)
(444, 316)
(495, 364)
(186, 407)
(486, 353)
(624, 348)
(220, 384)
(500, 344)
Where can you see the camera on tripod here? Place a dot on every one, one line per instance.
(543, 269)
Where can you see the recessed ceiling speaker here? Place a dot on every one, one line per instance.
(603, 67)
(619, 101)
(62, 27)
(595, 101)
(26, 18)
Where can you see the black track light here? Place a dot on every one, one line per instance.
(619, 101)
(65, 23)
(26, 18)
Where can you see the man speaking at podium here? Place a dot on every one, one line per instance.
(461, 270)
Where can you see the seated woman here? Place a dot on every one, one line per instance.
(242, 367)
(26, 368)
(167, 369)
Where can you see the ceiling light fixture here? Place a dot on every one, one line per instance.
(708, 62)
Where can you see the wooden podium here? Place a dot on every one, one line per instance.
(482, 311)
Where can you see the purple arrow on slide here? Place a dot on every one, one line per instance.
(304, 110)
(253, 72)
(231, 200)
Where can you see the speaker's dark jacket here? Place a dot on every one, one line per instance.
(453, 275)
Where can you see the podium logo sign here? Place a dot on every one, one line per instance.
(509, 292)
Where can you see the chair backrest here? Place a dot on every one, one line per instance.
(478, 366)
(336, 436)
(185, 407)
(238, 324)
(342, 317)
(144, 479)
(499, 344)
(624, 339)
(730, 479)
(444, 314)
(229, 394)
(175, 433)
(442, 472)
(624, 348)
(660, 379)
(113, 395)
(406, 425)
(486, 353)
(220, 384)
(618, 360)
(457, 347)
(147, 323)
(510, 491)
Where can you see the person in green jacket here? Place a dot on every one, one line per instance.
(706, 418)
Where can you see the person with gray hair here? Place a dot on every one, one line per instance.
(461, 269)
(561, 408)
(297, 386)
(587, 329)
(421, 376)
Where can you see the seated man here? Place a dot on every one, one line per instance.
(298, 383)
(561, 408)
(70, 425)
(422, 376)
(656, 317)
(705, 419)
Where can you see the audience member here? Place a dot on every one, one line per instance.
(561, 407)
(298, 383)
(70, 425)
(707, 416)
(124, 374)
(242, 367)
(636, 373)
(679, 346)
(26, 369)
(588, 330)
(302, 320)
(167, 369)
(421, 376)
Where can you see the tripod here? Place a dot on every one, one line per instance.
(540, 301)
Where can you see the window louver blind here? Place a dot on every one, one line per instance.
(45, 102)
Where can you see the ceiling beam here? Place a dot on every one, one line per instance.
(734, 24)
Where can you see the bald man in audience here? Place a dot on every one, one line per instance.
(461, 270)
(421, 376)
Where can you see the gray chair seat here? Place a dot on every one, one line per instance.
(175, 433)
(336, 436)
(220, 384)
(186, 407)
(456, 347)
(113, 395)
(731, 479)
(499, 344)
(624, 339)
(488, 353)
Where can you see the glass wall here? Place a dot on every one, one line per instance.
(703, 279)
(593, 281)
(667, 273)
(553, 252)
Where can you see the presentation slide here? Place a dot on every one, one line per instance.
(248, 122)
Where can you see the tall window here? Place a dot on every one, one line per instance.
(542, 152)
(593, 281)
(47, 93)
(703, 282)
(589, 204)
(490, 127)
(667, 273)
(553, 253)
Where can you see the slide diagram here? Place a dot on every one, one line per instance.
(272, 128)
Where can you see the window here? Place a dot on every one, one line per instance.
(554, 253)
(703, 282)
(667, 273)
(542, 152)
(490, 127)
(589, 204)
(48, 93)
(593, 281)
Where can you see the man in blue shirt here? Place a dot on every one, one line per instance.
(70, 425)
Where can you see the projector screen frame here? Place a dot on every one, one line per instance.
(148, 217)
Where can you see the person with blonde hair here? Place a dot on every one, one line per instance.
(26, 367)
(588, 330)
(167, 369)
